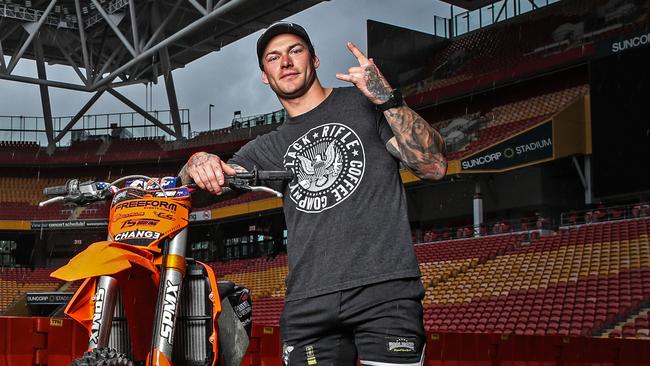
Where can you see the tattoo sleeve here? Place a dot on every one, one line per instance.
(375, 86)
(420, 146)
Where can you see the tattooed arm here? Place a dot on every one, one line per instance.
(416, 143)
(207, 171)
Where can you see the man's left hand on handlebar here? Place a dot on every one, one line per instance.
(207, 171)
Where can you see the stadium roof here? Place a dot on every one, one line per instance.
(113, 43)
(470, 4)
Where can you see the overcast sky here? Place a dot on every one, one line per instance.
(230, 78)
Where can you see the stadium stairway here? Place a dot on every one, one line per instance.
(635, 326)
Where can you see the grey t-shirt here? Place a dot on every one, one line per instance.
(346, 210)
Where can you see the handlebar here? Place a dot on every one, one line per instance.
(87, 192)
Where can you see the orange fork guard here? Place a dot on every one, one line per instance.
(130, 265)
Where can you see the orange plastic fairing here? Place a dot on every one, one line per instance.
(106, 258)
(216, 310)
(137, 277)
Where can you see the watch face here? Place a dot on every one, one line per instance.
(397, 98)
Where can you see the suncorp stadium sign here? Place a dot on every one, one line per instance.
(628, 42)
(528, 147)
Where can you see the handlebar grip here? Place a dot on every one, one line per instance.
(55, 191)
(275, 175)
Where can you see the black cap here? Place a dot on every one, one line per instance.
(278, 28)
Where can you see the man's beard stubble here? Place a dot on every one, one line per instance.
(299, 92)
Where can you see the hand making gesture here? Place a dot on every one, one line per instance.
(367, 77)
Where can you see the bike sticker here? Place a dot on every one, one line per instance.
(97, 316)
(169, 311)
(137, 234)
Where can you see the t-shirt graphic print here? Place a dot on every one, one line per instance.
(328, 162)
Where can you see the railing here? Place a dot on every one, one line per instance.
(496, 12)
(530, 226)
(31, 129)
(15, 11)
(62, 17)
(604, 214)
(260, 119)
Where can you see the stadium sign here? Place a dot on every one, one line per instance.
(68, 224)
(48, 298)
(200, 215)
(614, 46)
(531, 146)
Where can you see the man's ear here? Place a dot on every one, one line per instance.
(265, 78)
(316, 62)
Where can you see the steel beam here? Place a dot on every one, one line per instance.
(171, 94)
(45, 94)
(82, 40)
(107, 64)
(16, 57)
(140, 111)
(253, 16)
(55, 84)
(134, 26)
(198, 7)
(170, 40)
(162, 26)
(66, 53)
(532, 2)
(169, 79)
(3, 65)
(78, 116)
(114, 27)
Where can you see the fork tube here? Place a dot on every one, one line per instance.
(104, 306)
(173, 272)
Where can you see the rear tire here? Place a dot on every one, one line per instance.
(102, 357)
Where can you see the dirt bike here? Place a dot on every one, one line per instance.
(142, 300)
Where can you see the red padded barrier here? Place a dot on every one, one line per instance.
(67, 340)
(16, 342)
(54, 342)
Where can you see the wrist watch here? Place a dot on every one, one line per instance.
(395, 100)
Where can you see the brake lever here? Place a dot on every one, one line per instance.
(242, 185)
(50, 201)
(265, 189)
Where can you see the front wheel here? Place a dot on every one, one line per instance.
(102, 357)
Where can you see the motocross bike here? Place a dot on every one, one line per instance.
(141, 298)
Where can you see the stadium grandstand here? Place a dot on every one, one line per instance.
(534, 249)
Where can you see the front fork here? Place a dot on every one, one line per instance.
(104, 299)
(171, 279)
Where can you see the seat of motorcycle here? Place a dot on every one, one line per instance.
(225, 288)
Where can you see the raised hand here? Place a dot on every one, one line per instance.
(367, 77)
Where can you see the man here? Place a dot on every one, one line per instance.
(353, 288)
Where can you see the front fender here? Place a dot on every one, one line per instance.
(106, 258)
(138, 278)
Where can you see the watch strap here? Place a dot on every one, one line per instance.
(395, 100)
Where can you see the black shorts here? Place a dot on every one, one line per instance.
(380, 324)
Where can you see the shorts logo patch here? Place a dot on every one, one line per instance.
(311, 356)
(329, 162)
(286, 350)
(400, 345)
